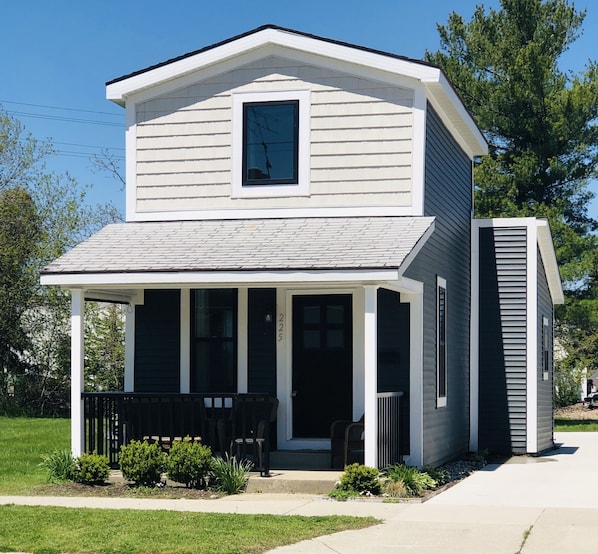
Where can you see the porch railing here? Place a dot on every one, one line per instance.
(113, 419)
(389, 424)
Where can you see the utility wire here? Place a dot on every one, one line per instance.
(60, 108)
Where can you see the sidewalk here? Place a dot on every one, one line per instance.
(547, 501)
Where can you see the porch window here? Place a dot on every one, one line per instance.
(545, 349)
(214, 341)
(270, 144)
(441, 350)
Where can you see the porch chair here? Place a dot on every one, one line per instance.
(251, 420)
(346, 443)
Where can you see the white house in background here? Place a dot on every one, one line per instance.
(299, 224)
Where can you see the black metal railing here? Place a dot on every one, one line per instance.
(226, 422)
(389, 426)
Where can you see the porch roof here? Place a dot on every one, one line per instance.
(249, 245)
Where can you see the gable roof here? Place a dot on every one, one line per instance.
(436, 85)
(298, 244)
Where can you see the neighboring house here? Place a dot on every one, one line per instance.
(299, 223)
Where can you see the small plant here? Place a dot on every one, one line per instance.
(189, 463)
(230, 475)
(395, 489)
(91, 469)
(142, 463)
(360, 479)
(414, 480)
(439, 474)
(60, 466)
(341, 495)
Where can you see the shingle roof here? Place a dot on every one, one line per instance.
(333, 243)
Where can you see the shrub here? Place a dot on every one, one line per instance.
(440, 475)
(396, 489)
(92, 469)
(414, 480)
(189, 463)
(60, 465)
(360, 479)
(142, 463)
(230, 475)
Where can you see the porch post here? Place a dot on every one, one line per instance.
(371, 377)
(77, 353)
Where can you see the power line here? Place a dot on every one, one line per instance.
(60, 108)
(66, 119)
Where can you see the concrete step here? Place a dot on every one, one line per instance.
(300, 459)
(294, 482)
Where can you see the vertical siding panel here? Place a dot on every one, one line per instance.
(545, 388)
(261, 355)
(503, 339)
(157, 342)
(447, 253)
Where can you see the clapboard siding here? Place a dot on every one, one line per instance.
(157, 342)
(261, 341)
(503, 339)
(448, 197)
(545, 388)
(361, 141)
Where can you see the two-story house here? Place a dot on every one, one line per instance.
(299, 224)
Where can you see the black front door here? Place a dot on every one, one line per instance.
(322, 363)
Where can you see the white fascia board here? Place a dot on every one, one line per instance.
(550, 264)
(142, 280)
(418, 246)
(119, 90)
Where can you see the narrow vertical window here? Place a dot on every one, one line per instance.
(214, 341)
(441, 343)
(545, 349)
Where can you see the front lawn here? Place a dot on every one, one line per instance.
(22, 442)
(52, 530)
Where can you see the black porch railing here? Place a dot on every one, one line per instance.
(389, 426)
(226, 422)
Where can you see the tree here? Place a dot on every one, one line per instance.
(53, 216)
(541, 126)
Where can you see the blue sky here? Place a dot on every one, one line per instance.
(57, 55)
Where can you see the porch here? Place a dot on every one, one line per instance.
(238, 424)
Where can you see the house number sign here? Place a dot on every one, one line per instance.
(280, 329)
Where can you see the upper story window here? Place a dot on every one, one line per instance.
(270, 144)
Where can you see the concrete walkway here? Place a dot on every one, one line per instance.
(527, 505)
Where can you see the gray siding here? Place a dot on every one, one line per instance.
(545, 388)
(502, 339)
(448, 196)
(157, 342)
(393, 353)
(261, 341)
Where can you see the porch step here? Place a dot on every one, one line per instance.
(294, 482)
(300, 459)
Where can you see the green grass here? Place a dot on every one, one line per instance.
(53, 530)
(50, 530)
(22, 443)
(576, 425)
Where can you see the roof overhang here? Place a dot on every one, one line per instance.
(270, 39)
(308, 251)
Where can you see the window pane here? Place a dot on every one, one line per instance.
(336, 338)
(311, 315)
(335, 314)
(441, 342)
(270, 143)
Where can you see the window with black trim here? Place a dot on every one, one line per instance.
(214, 340)
(271, 143)
(441, 343)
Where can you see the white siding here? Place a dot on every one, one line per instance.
(361, 141)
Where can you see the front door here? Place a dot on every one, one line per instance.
(322, 363)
